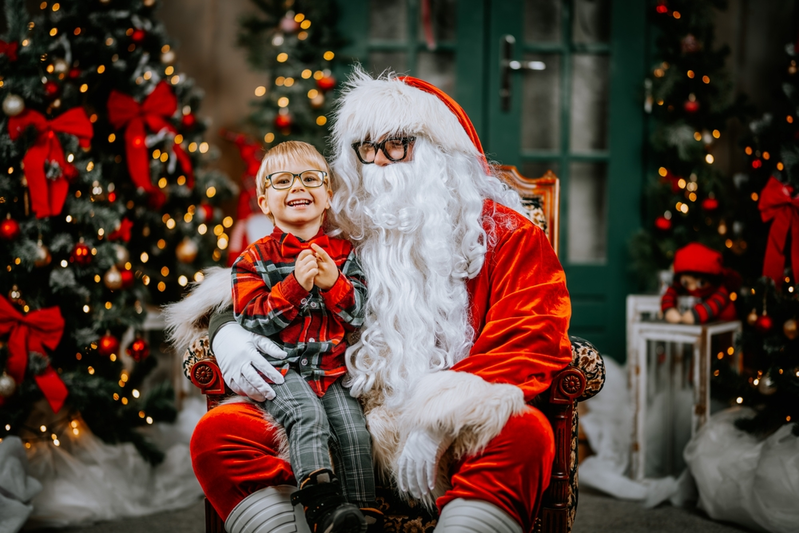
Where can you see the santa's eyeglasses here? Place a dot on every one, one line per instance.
(395, 149)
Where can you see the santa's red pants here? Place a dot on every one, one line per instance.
(234, 453)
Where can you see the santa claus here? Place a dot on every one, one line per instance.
(466, 322)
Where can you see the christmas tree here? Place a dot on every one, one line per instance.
(690, 99)
(768, 211)
(293, 41)
(106, 209)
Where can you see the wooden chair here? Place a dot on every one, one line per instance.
(581, 380)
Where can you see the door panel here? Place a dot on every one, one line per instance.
(579, 117)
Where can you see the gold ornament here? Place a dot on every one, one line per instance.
(113, 278)
(13, 105)
(7, 385)
(752, 317)
(15, 296)
(121, 255)
(318, 100)
(42, 255)
(60, 66)
(187, 250)
(790, 329)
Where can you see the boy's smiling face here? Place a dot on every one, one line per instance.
(297, 210)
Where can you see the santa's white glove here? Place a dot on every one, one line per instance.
(418, 462)
(238, 354)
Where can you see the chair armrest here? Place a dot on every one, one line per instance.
(199, 365)
(589, 361)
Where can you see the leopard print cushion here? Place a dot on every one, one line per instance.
(587, 358)
(200, 350)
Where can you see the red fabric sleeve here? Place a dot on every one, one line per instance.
(520, 309)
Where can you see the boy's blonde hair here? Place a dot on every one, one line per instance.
(286, 153)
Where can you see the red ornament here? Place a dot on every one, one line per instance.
(127, 278)
(188, 120)
(73, 73)
(9, 229)
(51, 89)
(283, 121)
(81, 254)
(691, 106)
(206, 212)
(139, 349)
(710, 204)
(107, 345)
(325, 83)
(663, 223)
(764, 324)
(138, 35)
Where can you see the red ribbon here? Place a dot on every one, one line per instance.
(291, 246)
(777, 204)
(47, 196)
(155, 111)
(9, 49)
(35, 332)
(123, 232)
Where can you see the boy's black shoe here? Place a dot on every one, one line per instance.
(325, 508)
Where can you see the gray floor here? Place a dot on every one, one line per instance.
(595, 514)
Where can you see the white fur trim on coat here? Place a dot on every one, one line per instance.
(370, 108)
(188, 319)
(463, 405)
(468, 409)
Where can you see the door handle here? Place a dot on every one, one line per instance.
(508, 65)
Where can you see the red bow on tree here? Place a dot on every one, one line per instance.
(48, 195)
(9, 49)
(155, 111)
(291, 246)
(777, 204)
(34, 332)
(122, 232)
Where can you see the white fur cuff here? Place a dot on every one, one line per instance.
(467, 407)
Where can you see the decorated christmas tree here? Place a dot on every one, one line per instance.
(690, 99)
(106, 212)
(768, 212)
(294, 42)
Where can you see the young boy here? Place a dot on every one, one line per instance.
(305, 290)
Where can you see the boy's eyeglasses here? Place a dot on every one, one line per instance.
(284, 179)
(395, 149)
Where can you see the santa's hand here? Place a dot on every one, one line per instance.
(244, 369)
(418, 462)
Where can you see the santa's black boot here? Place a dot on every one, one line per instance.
(326, 510)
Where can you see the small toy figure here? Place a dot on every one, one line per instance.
(699, 271)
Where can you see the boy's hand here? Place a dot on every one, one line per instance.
(306, 269)
(328, 271)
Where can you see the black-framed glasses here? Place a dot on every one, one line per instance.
(395, 149)
(283, 179)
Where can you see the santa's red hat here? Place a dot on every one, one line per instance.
(698, 258)
(370, 108)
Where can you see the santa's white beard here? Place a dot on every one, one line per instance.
(418, 234)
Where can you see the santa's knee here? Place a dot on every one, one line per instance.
(475, 516)
(268, 510)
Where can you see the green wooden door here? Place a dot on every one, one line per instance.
(580, 116)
